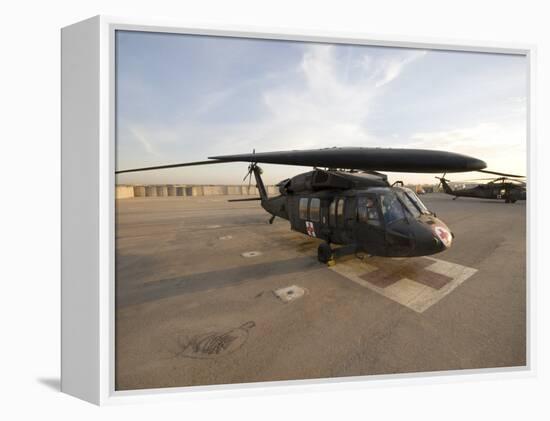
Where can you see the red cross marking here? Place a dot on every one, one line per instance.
(391, 271)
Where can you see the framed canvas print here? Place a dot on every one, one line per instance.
(243, 209)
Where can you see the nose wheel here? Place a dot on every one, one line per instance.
(324, 253)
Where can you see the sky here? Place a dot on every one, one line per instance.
(183, 98)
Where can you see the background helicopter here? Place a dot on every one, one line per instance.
(349, 202)
(506, 188)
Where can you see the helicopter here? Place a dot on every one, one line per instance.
(503, 188)
(346, 201)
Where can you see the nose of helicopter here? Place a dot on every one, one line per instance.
(433, 237)
(442, 234)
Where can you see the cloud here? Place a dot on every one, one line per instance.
(323, 101)
(333, 101)
(319, 102)
(502, 145)
(143, 140)
(393, 66)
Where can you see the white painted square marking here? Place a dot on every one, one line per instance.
(412, 293)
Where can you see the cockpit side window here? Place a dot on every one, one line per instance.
(391, 207)
(367, 211)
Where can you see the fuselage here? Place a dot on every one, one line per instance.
(379, 220)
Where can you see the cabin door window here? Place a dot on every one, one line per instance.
(314, 209)
(340, 212)
(332, 213)
(302, 210)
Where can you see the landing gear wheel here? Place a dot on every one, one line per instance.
(513, 200)
(324, 253)
(507, 201)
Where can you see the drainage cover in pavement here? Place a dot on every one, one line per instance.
(251, 254)
(290, 293)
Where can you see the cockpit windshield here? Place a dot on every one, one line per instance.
(408, 197)
(391, 207)
(409, 204)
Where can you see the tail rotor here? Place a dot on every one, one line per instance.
(441, 180)
(251, 167)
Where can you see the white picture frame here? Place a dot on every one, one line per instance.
(88, 200)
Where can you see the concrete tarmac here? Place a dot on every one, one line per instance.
(196, 283)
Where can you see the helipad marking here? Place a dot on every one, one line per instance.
(390, 278)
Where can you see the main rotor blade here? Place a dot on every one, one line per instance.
(249, 199)
(367, 159)
(501, 173)
(162, 167)
(479, 179)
